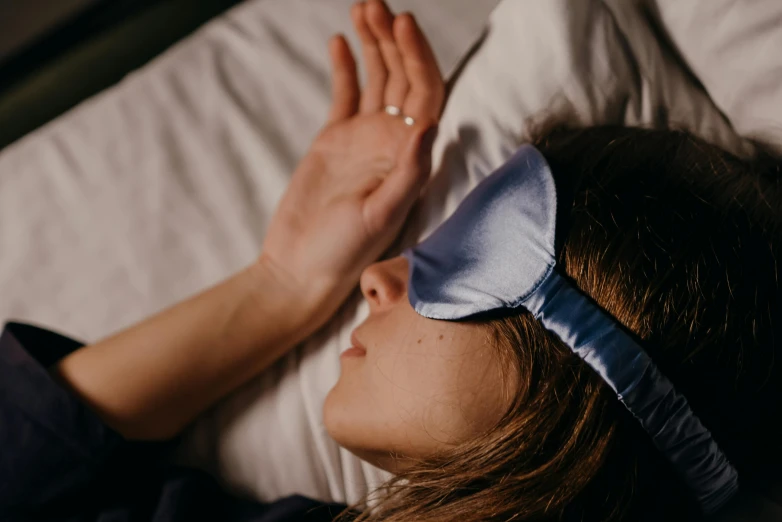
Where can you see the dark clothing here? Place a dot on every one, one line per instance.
(60, 463)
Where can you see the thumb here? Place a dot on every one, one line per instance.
(401, 187)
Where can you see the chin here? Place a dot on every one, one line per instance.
(337, 417)
(341, 426)
(330, 415)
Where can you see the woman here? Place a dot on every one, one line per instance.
(489, 418)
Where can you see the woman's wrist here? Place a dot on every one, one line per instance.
(307, 302)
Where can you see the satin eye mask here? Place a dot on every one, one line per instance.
(497, 252)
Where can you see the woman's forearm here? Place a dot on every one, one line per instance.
(151, 380)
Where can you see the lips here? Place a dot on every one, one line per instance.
(356, 343)
(353, 352)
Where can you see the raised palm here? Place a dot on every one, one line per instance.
(351, 193)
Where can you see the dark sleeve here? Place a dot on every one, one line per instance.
(52, 444)
(59, 462)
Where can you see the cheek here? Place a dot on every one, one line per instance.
(381, 401)
(444, 393)
(416, 397)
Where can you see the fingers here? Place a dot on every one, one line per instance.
(389, 204)
(427, 89)
(345, 92)
(381, 21)
(401, 67)
(377, 73)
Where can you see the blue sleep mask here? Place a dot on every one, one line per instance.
(497, 252)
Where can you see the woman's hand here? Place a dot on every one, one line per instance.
(350, 195)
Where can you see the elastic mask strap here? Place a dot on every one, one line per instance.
(664, 413)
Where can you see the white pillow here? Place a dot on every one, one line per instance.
(665, 93)
(588, 62)
(735, 50)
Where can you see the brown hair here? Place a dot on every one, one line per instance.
(677, 240)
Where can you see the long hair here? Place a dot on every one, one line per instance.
(678, 241)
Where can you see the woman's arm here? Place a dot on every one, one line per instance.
(344, 206)
(151, 380)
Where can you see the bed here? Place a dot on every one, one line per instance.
(164, 183)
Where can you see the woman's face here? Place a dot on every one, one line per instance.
(421, 385)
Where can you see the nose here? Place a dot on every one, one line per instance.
(384, 283)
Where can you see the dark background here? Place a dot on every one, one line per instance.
(56, 53)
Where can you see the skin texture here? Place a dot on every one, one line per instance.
(423, 385)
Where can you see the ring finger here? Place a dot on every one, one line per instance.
(427, 90)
